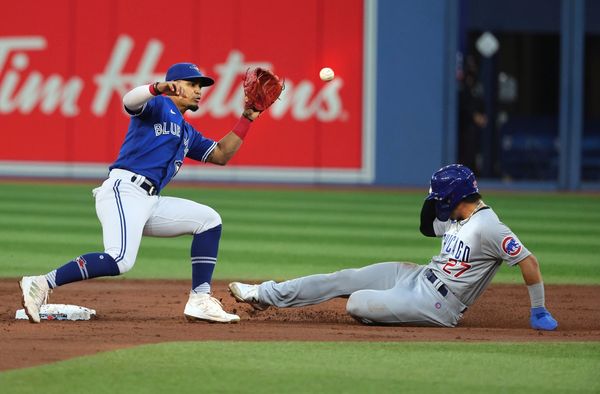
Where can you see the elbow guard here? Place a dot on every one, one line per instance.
(427, 218)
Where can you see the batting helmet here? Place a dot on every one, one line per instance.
(449, 185)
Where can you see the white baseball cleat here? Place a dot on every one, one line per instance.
(248, 294)
(207, 308)
(35, 291)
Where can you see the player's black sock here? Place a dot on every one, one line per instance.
(86, 266)
(204, 257)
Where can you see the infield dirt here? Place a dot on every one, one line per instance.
(134, 312)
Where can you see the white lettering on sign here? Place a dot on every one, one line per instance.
(49, 93)
(301, 100)
(114, 80)
(23, 89)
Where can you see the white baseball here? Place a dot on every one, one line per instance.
(326, 74)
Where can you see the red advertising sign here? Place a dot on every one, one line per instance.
(64, 72)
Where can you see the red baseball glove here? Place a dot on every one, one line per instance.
(261, 88)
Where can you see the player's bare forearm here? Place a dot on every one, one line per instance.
(225, 149)
(530, 269)
(540, 318)
(230, 144)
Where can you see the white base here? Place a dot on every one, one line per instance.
(60, 312)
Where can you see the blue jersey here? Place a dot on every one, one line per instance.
(157, 141)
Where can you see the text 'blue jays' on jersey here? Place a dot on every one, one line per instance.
(157, 141)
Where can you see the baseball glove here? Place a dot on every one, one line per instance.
(261, 88)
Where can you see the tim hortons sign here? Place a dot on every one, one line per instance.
(61, 84)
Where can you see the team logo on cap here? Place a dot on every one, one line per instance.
(511, 246)
(194, 67)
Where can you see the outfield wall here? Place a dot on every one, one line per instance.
(65, 71)
(388, 118)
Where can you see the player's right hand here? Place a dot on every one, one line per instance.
(541, 319)
(171, 88)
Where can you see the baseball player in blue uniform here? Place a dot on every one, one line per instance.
(474, 245)
(129, 204)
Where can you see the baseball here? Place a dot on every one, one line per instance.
(326, 74)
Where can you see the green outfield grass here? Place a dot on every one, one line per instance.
(321, 367)
(290, 232)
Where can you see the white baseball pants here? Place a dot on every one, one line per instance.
(127, 212)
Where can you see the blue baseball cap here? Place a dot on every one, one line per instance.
(188, 71)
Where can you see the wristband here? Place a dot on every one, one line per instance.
(154, 89)
(242, 126)
(536, 295)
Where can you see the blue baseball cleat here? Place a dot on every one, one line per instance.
(541, 319)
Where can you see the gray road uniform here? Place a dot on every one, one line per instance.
(404, 293)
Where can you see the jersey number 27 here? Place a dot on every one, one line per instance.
(455, 264)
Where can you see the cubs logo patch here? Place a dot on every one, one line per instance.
(511, 246)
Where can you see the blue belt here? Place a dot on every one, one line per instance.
(432, 278)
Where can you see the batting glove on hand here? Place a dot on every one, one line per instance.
(541, 319)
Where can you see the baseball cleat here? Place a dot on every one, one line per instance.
(35, 292)
(248, 294)
(541, 319)
(207, 308)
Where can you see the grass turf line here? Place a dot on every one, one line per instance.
(286, 233)
(321, 367)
